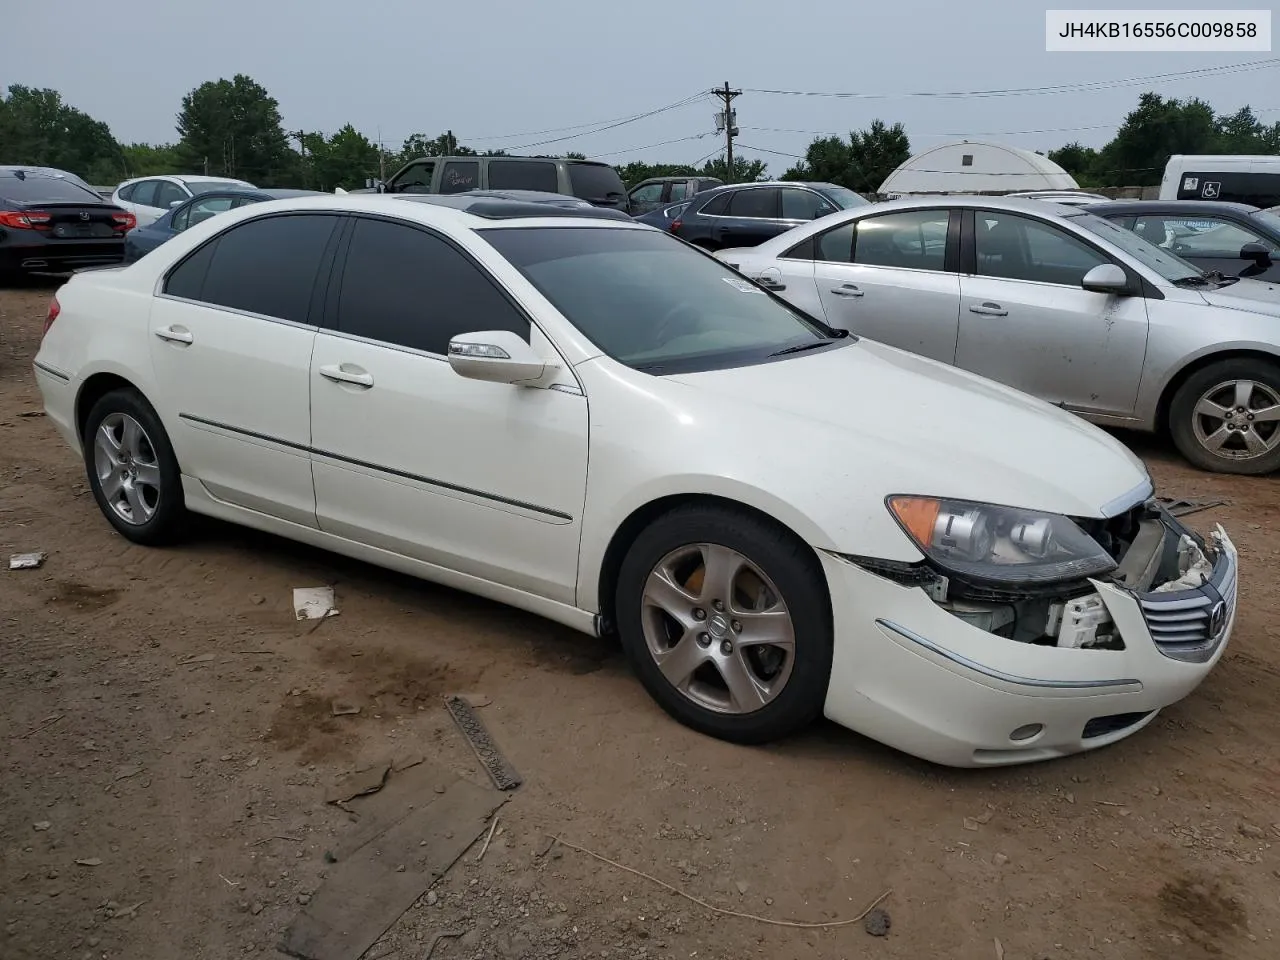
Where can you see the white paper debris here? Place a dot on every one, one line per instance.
(314, 603)
(26, 561)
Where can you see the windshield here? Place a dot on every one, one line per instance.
(198, 187)
(1171, 267)
(842, 197)
(650, 301)
(37, 188)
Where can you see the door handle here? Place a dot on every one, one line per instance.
(989, 309)
(175, 335)
(846, 290)
(338, 375)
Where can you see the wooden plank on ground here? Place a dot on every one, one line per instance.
(366, 891)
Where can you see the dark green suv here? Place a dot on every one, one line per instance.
(597, 183)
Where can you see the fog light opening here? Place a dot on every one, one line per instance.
(1028, 731)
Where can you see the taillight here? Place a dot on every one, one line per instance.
(55, 308)
(675, 226)
(124, 221)
(25, 220)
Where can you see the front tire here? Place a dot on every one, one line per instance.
(726, 620)
(1226, 417)
(132, 470)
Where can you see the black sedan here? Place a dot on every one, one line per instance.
(746, 214)
(50, 224)
(1234, 239)
(196, 210)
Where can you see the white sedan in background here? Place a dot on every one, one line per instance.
(590, 420)
(1055, 301)
(150, 198)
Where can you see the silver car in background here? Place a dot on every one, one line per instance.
(1054, 301)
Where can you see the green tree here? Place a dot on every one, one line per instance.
(38, 128)
(861, 164)
(744, 170)
(1079, 161)
(638, 170)
(232, 128)
(347, 160)
(445, 145)
(147, 160)
(1150, 134)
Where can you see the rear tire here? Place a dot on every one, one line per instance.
(1226, 417)
(700, 593)
(132, 470)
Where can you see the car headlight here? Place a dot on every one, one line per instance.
(996, 544)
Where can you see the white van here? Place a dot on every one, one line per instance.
(1235, 179)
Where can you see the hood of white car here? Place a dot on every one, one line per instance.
(1254, 296)
(889, 422)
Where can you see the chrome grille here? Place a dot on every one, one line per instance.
(1183, 624)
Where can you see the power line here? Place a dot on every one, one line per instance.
(780, 153)
(998, 133)
(538, 133)
(613, 126)
(649, 146)
(1088, 86)
(601, 126)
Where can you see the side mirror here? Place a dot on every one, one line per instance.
(1106, 278)
(498, 356)
(1256, 252)
(175, 203)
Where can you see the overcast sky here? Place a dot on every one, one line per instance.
(498, 71)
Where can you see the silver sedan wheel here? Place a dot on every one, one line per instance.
(717, 628)
(1237, 420)
(127, 467)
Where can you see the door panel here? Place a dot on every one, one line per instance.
(483, 478)
(914, 310)
(231, 348)
(900, 288)
(237, 386)
(1026, 322)
(751, 218)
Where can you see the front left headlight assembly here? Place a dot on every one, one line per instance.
(1001, 546)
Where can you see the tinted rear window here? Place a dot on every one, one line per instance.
(523, 175)
(596, 181)
(35, 189)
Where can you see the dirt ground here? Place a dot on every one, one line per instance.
(168, 746)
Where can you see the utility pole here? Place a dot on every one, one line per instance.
(729, 118)
(300, 136)
(382, 159)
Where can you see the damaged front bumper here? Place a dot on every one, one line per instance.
(953, 680)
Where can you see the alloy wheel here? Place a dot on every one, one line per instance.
(1237, 420)
(717, 628)
(127, 468)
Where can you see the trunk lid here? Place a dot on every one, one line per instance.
(80, 221)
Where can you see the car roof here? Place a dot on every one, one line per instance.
(1175, 206)
(678, 177)
(478, 213)
(184, 177)
(497, 207)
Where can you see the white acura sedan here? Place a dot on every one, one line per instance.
(593, 421)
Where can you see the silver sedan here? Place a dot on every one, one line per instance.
(1056, 302)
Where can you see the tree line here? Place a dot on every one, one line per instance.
(234, 128)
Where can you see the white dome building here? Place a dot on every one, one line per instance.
(975, 166)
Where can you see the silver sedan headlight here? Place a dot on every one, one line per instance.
(999, 545)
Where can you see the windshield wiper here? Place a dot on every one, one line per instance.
(1192, 282)
(802, 346)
